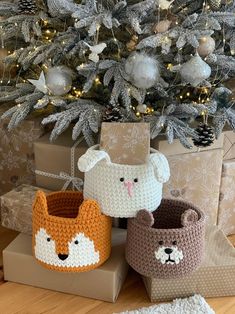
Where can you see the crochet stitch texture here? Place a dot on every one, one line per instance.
(167, 243)
(121, 190)
(70, 234)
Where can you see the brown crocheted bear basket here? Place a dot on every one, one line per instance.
(168, 242)
(70, 234)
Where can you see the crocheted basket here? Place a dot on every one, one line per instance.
(121, 190)
(70, 234)
(167, 243)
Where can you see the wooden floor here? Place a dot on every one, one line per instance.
(21, 299)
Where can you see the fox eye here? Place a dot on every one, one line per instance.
(136, 180)
(160, 242)
(48, 239)
(122, 179)
(174, 242)
(76, 242)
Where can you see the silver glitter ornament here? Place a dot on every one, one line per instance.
(195, 71)
(143, 70)
(59, 80)
(141, 108)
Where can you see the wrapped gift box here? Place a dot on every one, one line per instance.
(229, 145)
(214, 278)
(126, 143)
(103, 283)
(16, 208)
(56, 162)
(226, 217)
(16, 152)
(195, 175)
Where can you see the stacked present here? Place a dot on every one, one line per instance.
(16, 152)
(226, 216)
(122, 179)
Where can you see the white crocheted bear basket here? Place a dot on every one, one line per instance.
(122, 190)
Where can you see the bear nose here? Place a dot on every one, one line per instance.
(168, 251)
(62, 256)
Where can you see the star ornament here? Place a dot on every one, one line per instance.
(40, 84)
(165, 4)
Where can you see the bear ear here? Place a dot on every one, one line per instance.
(160, 165)
(145, 218)
(88, 210)
(87, 161)
(189, 217)
(40, 203)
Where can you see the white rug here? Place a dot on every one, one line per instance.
(193, 305)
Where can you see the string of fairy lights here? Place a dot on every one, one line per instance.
(200, 95)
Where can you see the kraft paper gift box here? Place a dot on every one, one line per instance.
(214, 278)
(56, 162)
(229, 145)
(16, 152)
(16, 208)
(195, 175)
(226, 217)
(126, 143)
(103, 283)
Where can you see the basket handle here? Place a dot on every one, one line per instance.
(89, 209)
(40, 203)
(145, 218)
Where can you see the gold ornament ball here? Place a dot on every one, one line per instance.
(141, 108)
(206, 46)
(162, 26)
(131, 45)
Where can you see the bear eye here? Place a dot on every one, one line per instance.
(48, 239)
(160, 242)
(136, 180)
(174, 242)
(122, 179)
(76, 242)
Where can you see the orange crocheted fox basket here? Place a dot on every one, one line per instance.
(70, 234)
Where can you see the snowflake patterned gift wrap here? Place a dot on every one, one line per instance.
(126, 143)
(226, 217)
(70, 234)
(16, 153)
(195, 175)
(122, 190)
(56, 162)
(167, 243)
(16, 208)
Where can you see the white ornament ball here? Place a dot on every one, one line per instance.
(143, 70)
(141, 108)
(162, 26)
(59, 80)
(195, 71)
(206, 46)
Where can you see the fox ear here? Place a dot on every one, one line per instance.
(91, 158)
(89, 209)
(145, 218)
(40, 203)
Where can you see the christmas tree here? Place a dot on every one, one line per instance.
(79, 63)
